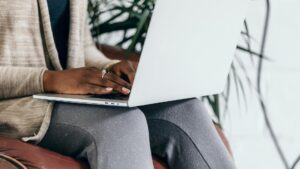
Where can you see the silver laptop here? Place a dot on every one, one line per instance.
(188, 53)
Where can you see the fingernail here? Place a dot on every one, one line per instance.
(125, 90)
(109, 89)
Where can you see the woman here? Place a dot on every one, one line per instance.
(46, 46)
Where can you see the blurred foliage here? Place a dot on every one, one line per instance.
(132, 18)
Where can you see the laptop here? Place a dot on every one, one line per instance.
(188, 53)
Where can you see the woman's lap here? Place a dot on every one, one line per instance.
(180, 132)
(103, 135)
(187, 136)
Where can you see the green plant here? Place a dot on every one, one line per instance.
(132, 17)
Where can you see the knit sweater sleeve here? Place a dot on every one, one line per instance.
(20, 81)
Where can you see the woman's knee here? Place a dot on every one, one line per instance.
(124, 132)
(195, 108)
(184, 111)
(135, 119)
(119, 122)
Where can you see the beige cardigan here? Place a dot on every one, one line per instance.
(27, 49)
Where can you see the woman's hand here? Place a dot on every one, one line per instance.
(125, 69)
(84, 81)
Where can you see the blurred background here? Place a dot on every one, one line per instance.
(258, 109)
(245, 126)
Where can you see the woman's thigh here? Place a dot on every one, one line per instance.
(106, 133)
(183, 133)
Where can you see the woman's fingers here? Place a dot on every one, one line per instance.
(107, 82)
(130, 75)
(114, 77)
(129, 71)
(125, 69)
(115, 86)
(117, 79)
(94, 89)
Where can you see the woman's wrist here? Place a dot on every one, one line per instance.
(48, 81)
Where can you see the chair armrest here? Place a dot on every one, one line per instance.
(7, 162)
(22, 155)
(35, 157)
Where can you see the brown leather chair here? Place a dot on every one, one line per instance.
(15, 154)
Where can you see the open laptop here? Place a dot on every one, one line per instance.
(187, 53)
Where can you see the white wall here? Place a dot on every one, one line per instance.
(246, 130)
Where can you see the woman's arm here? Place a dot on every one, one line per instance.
(20, 81)
(26, 81)
(86, 80)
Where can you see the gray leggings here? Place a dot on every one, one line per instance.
(181, 133)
